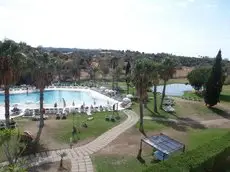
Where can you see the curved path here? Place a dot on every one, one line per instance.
(80, 156)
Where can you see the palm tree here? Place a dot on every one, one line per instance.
(12, 62)
(127, 75)
(141, 78)
(104, 68)
(117, 74)
(42, 73)
(114, 64)
(76, 70)
(166, 72)
(155, 82)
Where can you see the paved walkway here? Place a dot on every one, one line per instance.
(80, 156)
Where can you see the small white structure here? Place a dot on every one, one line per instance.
(126, 100)
(129, 96)
(169, 109)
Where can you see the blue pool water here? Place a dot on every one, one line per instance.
(50, 97)
(175, 89)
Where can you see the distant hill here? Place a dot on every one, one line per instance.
(131, 55)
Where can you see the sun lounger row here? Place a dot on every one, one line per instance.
(53, 111)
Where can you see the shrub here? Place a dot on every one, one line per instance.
(209, 157)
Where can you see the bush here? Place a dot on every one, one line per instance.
(212, 157)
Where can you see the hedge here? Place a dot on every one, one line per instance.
(211, 157)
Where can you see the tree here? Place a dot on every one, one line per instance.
(198, 77)
(141, 78)
(155, 81)
(12, 62)
(127, 75)
(75, 68)
(103, 66)
(13, 147)
(215, 82)
(114, 64)
(167, 69)
(117, 74)
(42, 73)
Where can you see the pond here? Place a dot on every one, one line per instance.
(175, 89)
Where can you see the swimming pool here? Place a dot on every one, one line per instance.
(88, 97)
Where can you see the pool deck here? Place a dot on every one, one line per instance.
(94, 94)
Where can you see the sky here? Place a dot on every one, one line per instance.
(182, 27)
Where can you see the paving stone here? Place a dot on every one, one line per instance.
(43, 154)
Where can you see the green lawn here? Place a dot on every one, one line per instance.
(176, 81)
(225, 94)
(150, 106)
(59, 131)
(96, 127)
(200, 137)
(119, 163)
(150, 125)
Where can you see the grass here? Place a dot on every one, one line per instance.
(117, 163)
(120, 163)
(150, 106)
(95, 127)
(150, 125)
(200, 137)
(224, 96)
(193, 95)
(176, 81)
(62, 129)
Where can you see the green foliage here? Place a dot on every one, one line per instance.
(215, 82)
(198, 77)
(209, 157)
(142, 75)
(17, 167)
(11, 145)
(167, 69)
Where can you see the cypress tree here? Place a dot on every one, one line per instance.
(215, 83)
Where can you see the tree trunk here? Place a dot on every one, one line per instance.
(127, 88)
(61, 163)
(7, 106)
(163, 95)
(113, 82)
(94, 79)
(41, 122)
(141, 126)
(155, 98)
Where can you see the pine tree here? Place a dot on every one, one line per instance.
(215, 83)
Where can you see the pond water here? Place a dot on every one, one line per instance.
(175, 89)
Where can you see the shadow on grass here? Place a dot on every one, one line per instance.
(180, 124)
(154, 114)
(225, 98)
(220, 112)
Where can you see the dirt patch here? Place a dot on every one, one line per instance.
(128, 143)
(46, 139)
(52, 167)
